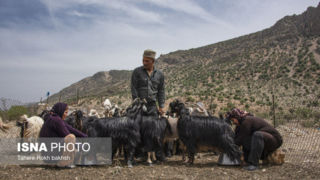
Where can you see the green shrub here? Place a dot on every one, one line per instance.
(15, 112)
(303, 113)
(213, 106)
(236, 97)
(220, 88)
(260, 103)
(190, 99)
(307, 123)
(242, 101)
(230, 105)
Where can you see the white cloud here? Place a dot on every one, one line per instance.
(131, 11)
(115, 36)
(191, 8)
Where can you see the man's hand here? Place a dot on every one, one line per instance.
(161, 111)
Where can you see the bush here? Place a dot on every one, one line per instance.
(230, 105)
(220, 98)
(307, 123)
(213, 106)
(236, 97)
(303, 113)
(260, 103)
(252, 99)
(242, 101)
(15, 112)
(190, 99)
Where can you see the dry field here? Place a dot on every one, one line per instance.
(302, 162)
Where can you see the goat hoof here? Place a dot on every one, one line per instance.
(130, 164)
(190, 163)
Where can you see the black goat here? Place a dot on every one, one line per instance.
(152, 130)
(197, 131)
(78, 121)
(124, 131)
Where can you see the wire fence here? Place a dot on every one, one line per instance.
(301, 138)
(301, 144)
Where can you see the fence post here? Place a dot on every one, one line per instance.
(274, 111)
(77, 94)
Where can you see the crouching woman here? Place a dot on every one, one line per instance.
(256, 136)
(55, 127)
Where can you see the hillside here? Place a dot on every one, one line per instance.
(283, 60)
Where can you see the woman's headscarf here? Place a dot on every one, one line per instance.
(238, 114)
(57, 110)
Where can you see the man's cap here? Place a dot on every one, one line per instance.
(149, 53)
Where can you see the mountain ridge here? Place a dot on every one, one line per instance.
(244, 71)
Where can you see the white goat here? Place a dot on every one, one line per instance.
(3, 126)
(32, 126)
(109, 109)
(199, 110)
(94, 112)
(107, 104)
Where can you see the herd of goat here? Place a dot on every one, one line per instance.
(133, 131)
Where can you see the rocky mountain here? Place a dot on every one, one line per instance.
(109, 83)
(283, 60)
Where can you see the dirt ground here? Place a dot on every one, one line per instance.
(205, 167)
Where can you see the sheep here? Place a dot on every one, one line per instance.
(30, 127)
(198, 131)
(3, 126)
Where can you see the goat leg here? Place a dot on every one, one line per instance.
(149, 161)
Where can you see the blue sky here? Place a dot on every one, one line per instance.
(46, 45)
